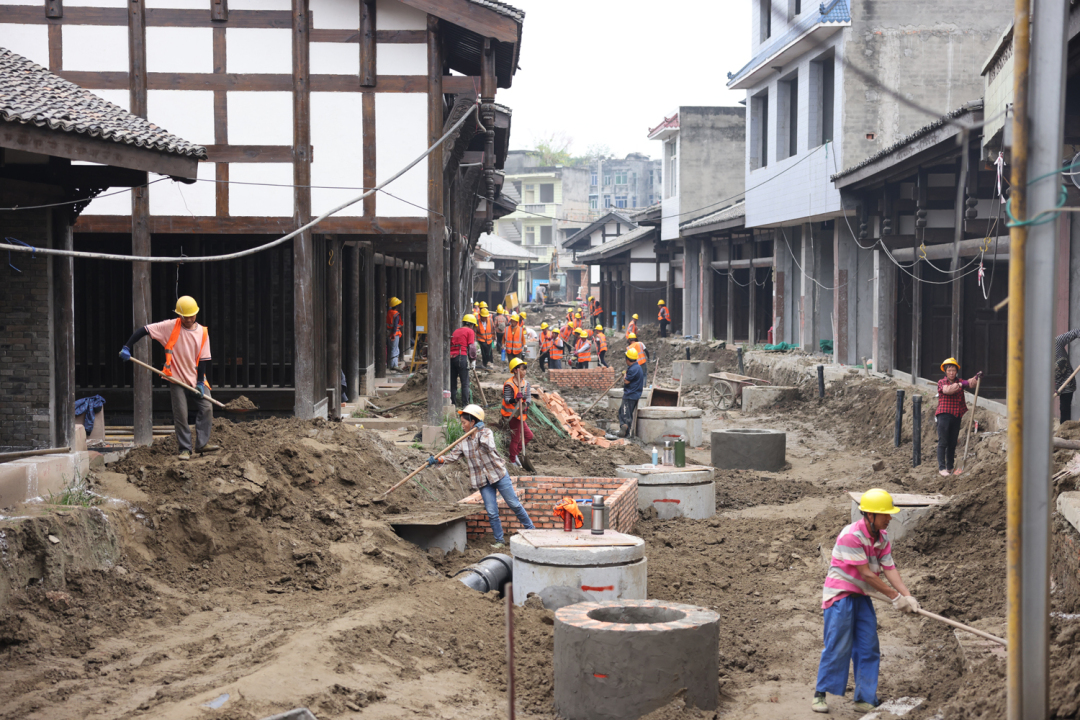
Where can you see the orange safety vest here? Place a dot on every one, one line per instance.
(632, 327)
(582, 356)
(595, 308)
(507, 409)
(641, 360)
(514, 341)
(393, 323)
(570, 315)
(168, 370)
(547, 341)
(485, 330)
(663, 314)
(601, 342)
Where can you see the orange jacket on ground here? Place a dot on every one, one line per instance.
(567, 506)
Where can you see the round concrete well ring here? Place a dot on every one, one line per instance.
(749, 449)
(626, 658)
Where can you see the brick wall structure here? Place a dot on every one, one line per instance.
(25, 336)
(539, 495)
(599, 378)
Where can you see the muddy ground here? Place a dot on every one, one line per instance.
(267, 573)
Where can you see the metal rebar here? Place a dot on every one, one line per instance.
(899, 417)
(821, 381)
(916, 430)
(510, 647)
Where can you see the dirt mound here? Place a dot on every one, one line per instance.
(1069, 430)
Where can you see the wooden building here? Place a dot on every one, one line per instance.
(300, 104)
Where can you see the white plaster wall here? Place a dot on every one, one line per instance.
(185, 113)
(642, 273)
(30, 41)
(22, 2)
(395, 59)
(258, 50)
(118, 202)
(261, 200)
(337, 135)
(401, 136)
(169, 197)
(95, 48)
(642, 250)
(669, 222)
(664, 271)
(335, 58)
(260, 5)
(179, 50)
(594, 274)
(394, 15)
(678, 281)
(335, 14)
(260, 118)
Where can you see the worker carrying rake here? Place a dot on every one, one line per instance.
(861, 552)
(487, 471)
(187, 359)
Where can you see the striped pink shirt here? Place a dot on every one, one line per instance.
(854, 547)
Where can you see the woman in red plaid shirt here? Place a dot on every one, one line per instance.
(950, 408)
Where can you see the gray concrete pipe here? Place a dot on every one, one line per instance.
(491, 573)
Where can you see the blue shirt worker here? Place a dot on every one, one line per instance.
(633, 384)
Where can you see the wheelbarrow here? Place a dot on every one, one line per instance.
(727, 388)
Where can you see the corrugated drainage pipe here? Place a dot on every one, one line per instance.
(491, 573)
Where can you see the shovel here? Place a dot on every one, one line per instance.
(416, 472)
(174, 381)
(971, 421)
(947, 621)
(525, 462)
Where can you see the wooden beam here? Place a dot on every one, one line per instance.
(307, 395)
(260, 82)
(369, 315)
(219, 10)
(437, 345)
(367, 115)
(471, 16)
(221, 117)
(252, 225)
(225, 153)
(63, 295)
(390, 37)
(140, 230)
(76, 146)
(367, 43)
(381, 305)
(333, 324)
(155, 17)
(353, 312)
(56, 49)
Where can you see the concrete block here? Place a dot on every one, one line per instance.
(760, 398)
(79, 442)
(674, 492)
(692, 372)
(1068, 504)
(611, 566)
(654, 423)
(36, 477)
(450, 535)
(98, 433)
(430, 435)
(749, 449)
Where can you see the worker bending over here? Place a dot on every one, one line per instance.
(664, 316)
(861, 552)
(394, 325)
(633, 385)
(187, 359)
(517, 394)
(462, 356)
(487, 471)
(950, 408)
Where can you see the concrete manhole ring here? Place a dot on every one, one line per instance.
(749, 449)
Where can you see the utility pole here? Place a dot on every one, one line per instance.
(1039, 106)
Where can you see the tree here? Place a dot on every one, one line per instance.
(554, 149)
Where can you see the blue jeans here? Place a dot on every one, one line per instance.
(850, 636)
(491, 504)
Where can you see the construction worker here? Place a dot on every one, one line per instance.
(570, 316)
(487, 471)
(394, 325)
(577, 320)
(582, 349)
(187, 359)
(462, 355)
(861, 552)
(664, 316)
(476, 308)
(514, 342)
(515, 408)
(632, 326)
(601, 345)
(557, 349)
(595, 311)
(502, 320)
(1064, 382)
(547, 344)
(950, 408)
(642, 351)
(633, 385)
(485, 336)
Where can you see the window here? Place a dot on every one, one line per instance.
(607, 179)
(671, 148)
(607, 201)
(787, 126)
(592, 178)
(633, 201)
(547, 193)
(592, 202)
(530, 236)
(545, 235)
(759, 130)
(828, 70)
(530, 194)
(620, 201)
(765, 20)
(794, 9)
(620, 177)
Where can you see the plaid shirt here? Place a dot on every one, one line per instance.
(954, 404)
(485, 465)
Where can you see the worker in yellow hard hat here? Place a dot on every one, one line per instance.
(633, 385)
(514, 339)
(187, 361)
(862, 551)
(664, 316)
(596, 313)
(547, 344)
(631, 327)
(517, 396)
(502, 321)
(600, 341)
(950, 408)
(462, 358)
(642, 353)
(394, 326)
(485, 335)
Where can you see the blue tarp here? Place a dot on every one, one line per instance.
(86, 407)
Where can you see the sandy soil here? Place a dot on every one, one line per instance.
(267, 573)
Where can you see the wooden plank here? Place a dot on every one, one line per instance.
(56, 49)
(396, 37)
(252, 225)
(471, 16)
(154, 17)
(334, 323)
(63, 293)
(303, 249)
(262, 82)
(367, 117)
(436, 331)
(366, 37)
(225, 153)
(221, 115)
(219, 10)
(379, 310)
(140, 230)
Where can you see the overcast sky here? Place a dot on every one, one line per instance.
(605, 71)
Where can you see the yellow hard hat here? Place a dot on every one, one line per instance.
(631, 353)
(543, 326)
(522, 314)
(484, 312)
(631, 336)
(582, 333)
(483, 304)
(590, 297)
(599, 328)
(516, 317)
(659, 302)
(517, 361)
(879, 501)
(469, 318)
(499, 308)
(950, 361)
(394, 302)
(577, 315)
(475, 410)
(635, 316)
(186, 306)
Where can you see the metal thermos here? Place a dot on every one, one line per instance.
(680, 452)
(669, 453)
(598, 509)
(568, 522)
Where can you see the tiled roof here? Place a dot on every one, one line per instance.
(502, 8)
(31, 95)
(619, 244)
(834, 13)
(643, 212)
(603, 220)
(668, 123)
(731, 212)
(975, 105)
(494, 246)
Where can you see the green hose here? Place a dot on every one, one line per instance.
(539, 415)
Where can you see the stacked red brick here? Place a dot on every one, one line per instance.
(540, 495)
(598, 379)
(571, 421)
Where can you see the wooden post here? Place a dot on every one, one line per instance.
(353, 312)
(437, 345)
(333, 324)
(454, 302)
(916, 318)
(730, 294)
(367, 44)
(381, 307)
(369, 317)
(303, 269)
(140, 230)
(409, 296)
(63, 293)
(707, 276)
